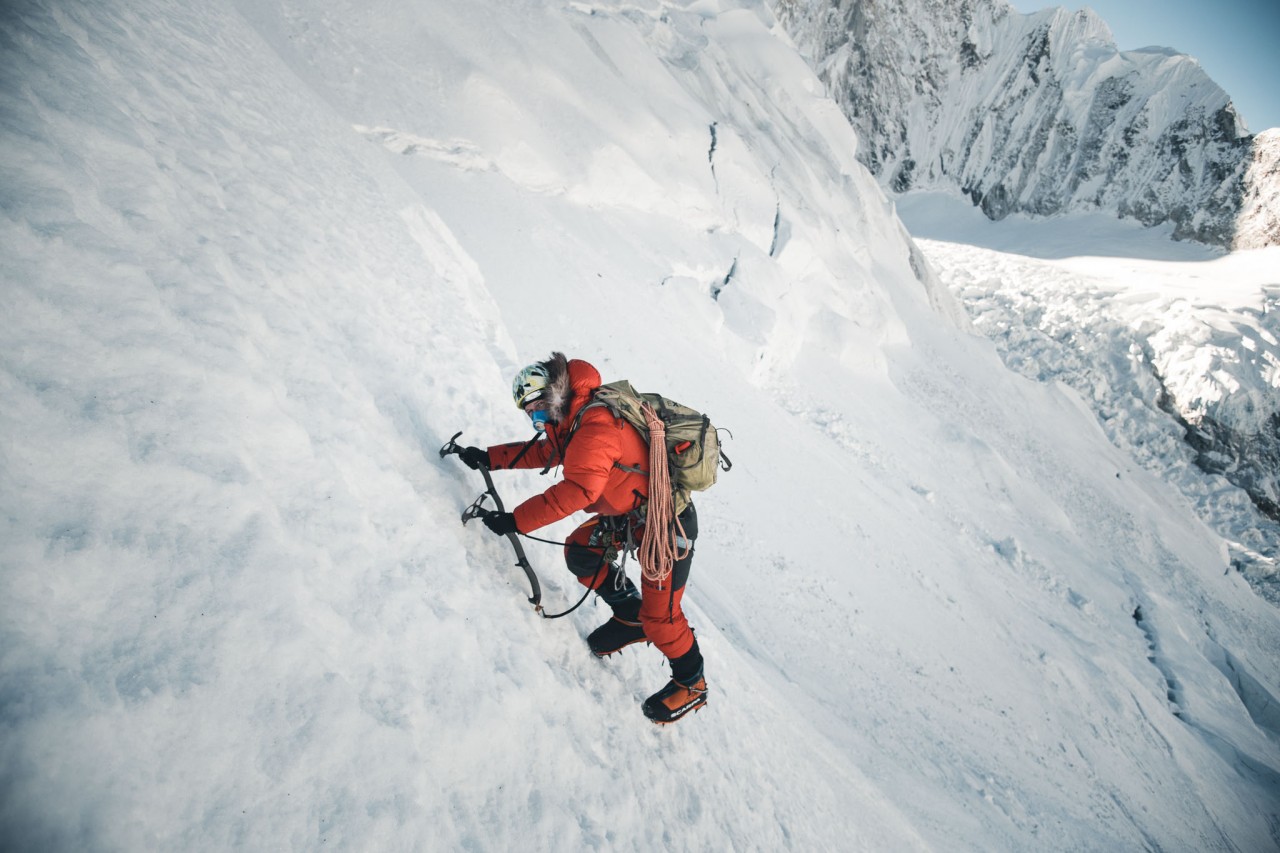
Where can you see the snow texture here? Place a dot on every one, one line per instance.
(261, 259)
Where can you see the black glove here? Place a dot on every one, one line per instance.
(500, 523)
(475, 458)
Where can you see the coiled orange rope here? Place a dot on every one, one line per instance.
(660, 549)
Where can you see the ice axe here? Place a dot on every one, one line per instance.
(478, 510)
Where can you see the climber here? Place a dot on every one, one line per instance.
(605, 464)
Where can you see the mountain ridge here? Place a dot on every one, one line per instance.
(1039, 113)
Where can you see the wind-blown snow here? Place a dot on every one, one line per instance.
(261, 261)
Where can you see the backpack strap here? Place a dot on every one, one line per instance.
(527, 445)
(573, 430)
(577, 422)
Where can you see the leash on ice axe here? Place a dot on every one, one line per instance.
(478, 510)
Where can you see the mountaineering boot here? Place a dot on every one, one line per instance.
(685, 692)
(675, 700)
(624, 628)
(614, 636)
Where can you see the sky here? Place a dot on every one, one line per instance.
(1236, 42)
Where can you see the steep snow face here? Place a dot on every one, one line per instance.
(261, 260)
(1034, 113)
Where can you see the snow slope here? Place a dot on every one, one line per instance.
(261, 260)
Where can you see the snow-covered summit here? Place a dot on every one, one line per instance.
(1036, 113)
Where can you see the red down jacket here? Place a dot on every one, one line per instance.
(593, 480)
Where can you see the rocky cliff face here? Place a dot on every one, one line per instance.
(1259, 221)
(1039, 114)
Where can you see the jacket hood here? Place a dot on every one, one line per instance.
(583, 380)
(570, 385)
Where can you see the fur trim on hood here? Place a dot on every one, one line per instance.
(559, 393)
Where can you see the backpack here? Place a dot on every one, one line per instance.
(693, 445)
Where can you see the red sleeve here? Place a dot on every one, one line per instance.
(588, 462)
(501, 455)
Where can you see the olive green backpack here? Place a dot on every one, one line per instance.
(694, 458)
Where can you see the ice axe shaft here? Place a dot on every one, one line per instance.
(478, 510)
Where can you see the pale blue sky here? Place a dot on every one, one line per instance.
(1236, 41)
